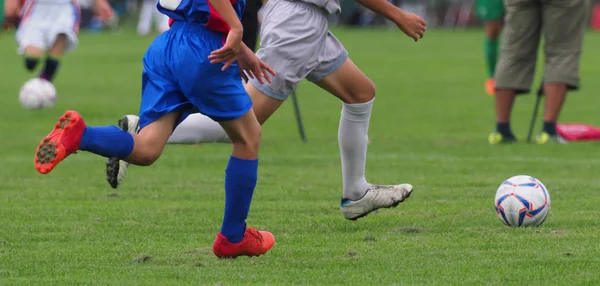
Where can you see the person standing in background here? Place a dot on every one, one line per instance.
(562, 24)
(148, 14)
(490, 12)
(47, 30)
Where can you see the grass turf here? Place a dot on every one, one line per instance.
(429, 127)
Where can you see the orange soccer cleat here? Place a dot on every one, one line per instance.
(254, 243)
(490, 88)
(61, 142)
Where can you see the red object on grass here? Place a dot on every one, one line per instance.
(578, 132)
(595, 21)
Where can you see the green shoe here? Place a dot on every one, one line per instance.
(497, 138)
(544, 138)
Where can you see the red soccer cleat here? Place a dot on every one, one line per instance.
(254, 243)
(61, 142)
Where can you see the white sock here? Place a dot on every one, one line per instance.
(353, 137)
(197, 128)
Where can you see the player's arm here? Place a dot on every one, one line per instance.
(11, 13)
(103, 9)
(11, 8)
(411, 24)
(233, 44)
(225, 9)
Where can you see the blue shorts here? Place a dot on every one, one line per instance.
(178, 77)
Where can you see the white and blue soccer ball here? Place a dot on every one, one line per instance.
(37, 93)
(522, 201)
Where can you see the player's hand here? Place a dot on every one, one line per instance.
(230, 50)
(251, 66)
(411, 24)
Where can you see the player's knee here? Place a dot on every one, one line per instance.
(252, 143)
(145, 154)
(146, 159)
(249, 142)
(492, 29)
(365, 93)
(31, 51)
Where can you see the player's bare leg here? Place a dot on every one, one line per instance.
(32, 56)
(505, 98)
(357, 92)
(196, 128)
(53, 59)
(555, 93)
(235, 239)
(492, 31)
(149, 145)
(150, 141)
(555, 98)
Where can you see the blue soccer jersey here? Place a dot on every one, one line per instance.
(199, 11)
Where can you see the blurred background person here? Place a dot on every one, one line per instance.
(47, 30)
(491, 13)
(562, 24)
(148, 14)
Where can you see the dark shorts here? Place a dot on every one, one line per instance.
(561, 22)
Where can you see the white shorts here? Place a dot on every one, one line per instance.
(296, 43)
(42, 22)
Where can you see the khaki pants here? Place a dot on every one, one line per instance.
(562, 23)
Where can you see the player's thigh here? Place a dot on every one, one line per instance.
(151, 140)
(162, 107)
(348, 83)
(245, 133)
(263, 105)
(564, 26)
(292, 34)
(520, 41)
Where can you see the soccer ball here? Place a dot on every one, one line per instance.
(522, 201)
(37, 93)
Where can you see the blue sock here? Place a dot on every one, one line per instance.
(240, 180)
(107, 141)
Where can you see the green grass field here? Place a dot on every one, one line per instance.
(429, 128)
